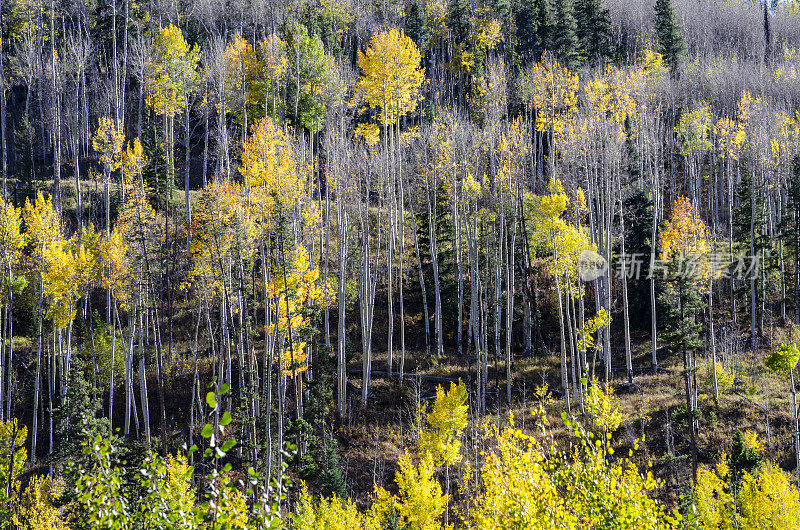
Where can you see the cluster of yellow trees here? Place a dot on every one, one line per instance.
(525, 481)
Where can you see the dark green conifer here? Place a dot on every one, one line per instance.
(565, 38)
(668, 33)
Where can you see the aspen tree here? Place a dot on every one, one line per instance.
(172, 77)
(42, 229)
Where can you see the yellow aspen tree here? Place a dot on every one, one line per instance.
(293, 289)
(172, 76)
(685, 235)
(446, 423)
(551, 91)
(564, 244)
(133, 162)
(12, 241)
(270, 171)
(243, 85)
(391, 75)
(43, 228)
(108, 141)
(274, 61)
(13, 458)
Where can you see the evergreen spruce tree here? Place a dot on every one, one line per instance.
(638, 210)
(744, 459)
(23, 146)
(80, 416)
(594, 30)
(789, 229)
(332, 479)
(534, 24)
(670, 39)
(565, 38)
(682, 336)
(458, 19)
(543, 33)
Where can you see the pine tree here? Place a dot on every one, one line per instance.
(565, 39)
(458, 19)
(594, 30)
(684, 243)
(682, 336)
(23, 146)
(533, 23)
(789, 229)
(668, 33)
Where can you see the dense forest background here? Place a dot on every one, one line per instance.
(399, 264)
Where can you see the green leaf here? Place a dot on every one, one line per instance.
(227, 446)
(208, 430)
(225, 388)
(226, 419)
(211, 399)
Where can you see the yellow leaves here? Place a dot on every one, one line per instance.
(173, 72)
(612, 95)
(752, 442)
(116, 270)
(724, 377)
(787, 137)
(489, 34)
(694, 127)
(370, 132)
(273, 51)
(391, 75)
(39, 504)
(586, 340)
(447, 421)
(788, 68)
(766, 499)
(652, 63)
(133, 159)
(685, 235)
(223, 232)
(108, 141)
(71, 266)
(42, 224)
(552, 90)
(243, 71)
(471, 188)
(13, 457)
(420, 501)
(519, 491)
(730, 138)
(269, 170)
(327, 514)
(746, 107)
(552, 234)
(292, 291)
(769, 496)
(604, 405)
(12, 240)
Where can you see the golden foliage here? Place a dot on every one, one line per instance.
(108, 141)
(391, 75)
(447, 421)
(38, 505)
(685, 236)
(552, 90)
(173, 73)
(269, 171)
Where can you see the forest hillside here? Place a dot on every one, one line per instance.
(408, 264)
